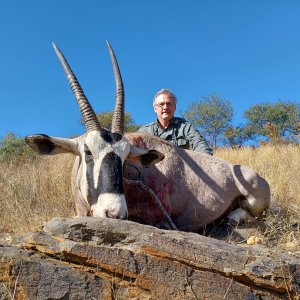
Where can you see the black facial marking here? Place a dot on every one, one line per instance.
(106, 136)
(117, 137)
(111, 179)
(111, 138)
(91, 196)
(87, 150)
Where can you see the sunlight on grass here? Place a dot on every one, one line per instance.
(279, 165)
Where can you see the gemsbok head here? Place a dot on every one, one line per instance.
(97, 177)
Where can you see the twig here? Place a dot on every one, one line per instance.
(286, 285)
(156, 199)
(8, 292)
(191, 287)
(137, 170)
(228, 288)
(15, 289)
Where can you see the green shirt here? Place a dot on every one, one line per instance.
(181, 133)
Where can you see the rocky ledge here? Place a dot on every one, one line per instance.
(89, 258)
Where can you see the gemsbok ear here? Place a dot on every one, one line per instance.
(46, 145)
(145, 158)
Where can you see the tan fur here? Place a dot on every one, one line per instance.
(195, 188)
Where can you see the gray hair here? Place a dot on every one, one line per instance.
(164, 91)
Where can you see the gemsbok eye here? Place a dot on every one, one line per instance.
(87, 152)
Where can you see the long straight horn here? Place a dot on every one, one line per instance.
(89, 117)
(118, 115)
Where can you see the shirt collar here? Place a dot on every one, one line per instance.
(170, 124)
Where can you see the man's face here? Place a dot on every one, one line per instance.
(165, 107)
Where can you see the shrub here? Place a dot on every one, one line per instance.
(15, 149)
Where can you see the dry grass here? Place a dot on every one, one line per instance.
(279, 165)
(35, 191)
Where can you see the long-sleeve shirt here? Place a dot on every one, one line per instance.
(181, 133)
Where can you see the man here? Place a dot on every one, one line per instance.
(172, 129)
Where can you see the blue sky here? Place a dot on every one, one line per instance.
(247, 52)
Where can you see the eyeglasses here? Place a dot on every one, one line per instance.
(162, 104)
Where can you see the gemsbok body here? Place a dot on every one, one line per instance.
(112, 169)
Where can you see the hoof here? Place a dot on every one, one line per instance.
(231, 223)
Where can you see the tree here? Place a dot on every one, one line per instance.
(236, 136)
(105, 119)
(277, 122)
(212, 115)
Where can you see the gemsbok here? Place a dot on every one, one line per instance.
(119, 175)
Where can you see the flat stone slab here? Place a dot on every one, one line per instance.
(93, 258)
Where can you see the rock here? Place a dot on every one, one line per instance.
(92, 258)
(253, 240)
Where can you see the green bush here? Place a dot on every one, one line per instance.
(15, 149)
